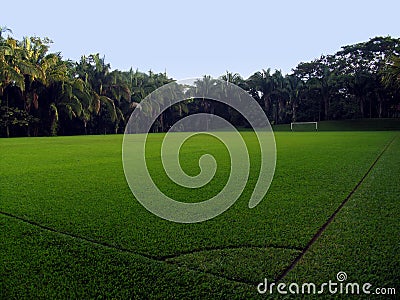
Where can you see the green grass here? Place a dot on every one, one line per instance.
(347, 125)
(363, 240)
(76, 185)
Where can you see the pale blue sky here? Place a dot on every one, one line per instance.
(193, 38)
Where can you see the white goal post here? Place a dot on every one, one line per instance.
(302, 123)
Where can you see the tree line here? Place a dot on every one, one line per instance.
(42, 94)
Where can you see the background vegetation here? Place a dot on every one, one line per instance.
(43, 94)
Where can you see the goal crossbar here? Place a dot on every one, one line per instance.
(302, 123)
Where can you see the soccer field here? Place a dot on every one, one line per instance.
(71, 228)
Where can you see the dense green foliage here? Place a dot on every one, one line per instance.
(100, 242)
(43, 94)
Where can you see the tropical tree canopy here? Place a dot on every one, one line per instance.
(43, 94)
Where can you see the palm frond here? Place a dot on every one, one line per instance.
(110, 106)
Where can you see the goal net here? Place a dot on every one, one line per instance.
(304, 126)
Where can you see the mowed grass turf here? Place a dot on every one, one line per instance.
(363, 240)
(97, 240)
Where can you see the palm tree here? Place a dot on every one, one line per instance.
(261, 87)
(359, 85)
(10, 72)
(207, 86)
(233, 78)
(294, 86)
(227, 91)
(17, 72)
(4, 29)
(321, 76)
(103, 87)
(279, 96)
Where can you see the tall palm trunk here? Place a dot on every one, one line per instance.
(362, 101)
(267, 104)
(326, 106)
(294, 111)
(7, 126)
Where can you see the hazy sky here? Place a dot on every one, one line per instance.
(193, 38)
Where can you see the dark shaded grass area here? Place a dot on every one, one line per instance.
(41, 264)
